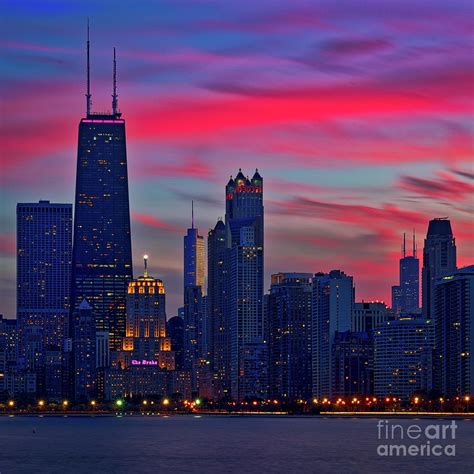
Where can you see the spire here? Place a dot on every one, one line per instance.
(404, 245)
(192, 214)
(145, 261)
(88, 94)
(114, 94)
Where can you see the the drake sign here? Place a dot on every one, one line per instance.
(144, 362)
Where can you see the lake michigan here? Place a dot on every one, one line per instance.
(217, 444)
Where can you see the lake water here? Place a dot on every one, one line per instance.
(215, 444)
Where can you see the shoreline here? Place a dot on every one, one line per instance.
(407, 415)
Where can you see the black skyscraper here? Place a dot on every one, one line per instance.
(102, 255)
(439, 258)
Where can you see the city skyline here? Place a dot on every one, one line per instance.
(342, 207)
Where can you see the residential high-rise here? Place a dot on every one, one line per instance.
(439, 258)
(368, 315)
(44, 244)
(84, 350)
(102, 254)
(219, 322)
(244, 239)
(403, 357)
(289, 320)
(333, 305)
(406, 296)
(352, 364)
(454, 330)
(193, 257)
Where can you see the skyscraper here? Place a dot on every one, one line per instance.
(439, 258)
(146, 322)
(403, 357)
(196, 330)
(368, 315)
(352, 364)
(193, 257)
(333, 305)
(44, 245)
(84, 342)
(102, 255)
(219, 321)
(289, 320)
(406, 296)
(244, 239)
(454, 330)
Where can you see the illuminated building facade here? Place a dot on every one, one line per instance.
(333, 305)
(244, 240)
(439, 258)
(403, 357)
(146, 341)
(44, 246)
(219, 322)
(102, 253)
(406, 295)
(454, 329)
(289, 319)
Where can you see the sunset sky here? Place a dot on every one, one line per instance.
(358, 116)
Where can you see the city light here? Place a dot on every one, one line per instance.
(145, 402)
(119, 403)
(467, 398)
(65, 403)
(93, 403)
(11, 403)
(166, 401)
(197, 401)
(41, 403)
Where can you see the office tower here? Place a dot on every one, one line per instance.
(244, 240)
(102, 255)
(454, 330)
(84, 350)
(44, 244)
(219, 323)
(405, 296)
(53, 374)
(175, 331)
(439, 258)
(352, 359)
(289, 319)
(333, 305)
(368, 315)
(403, 357)
(146, 339)
(193, 257)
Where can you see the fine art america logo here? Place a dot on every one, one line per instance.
(437, 439)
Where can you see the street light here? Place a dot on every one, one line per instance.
(65, 403)
(166, 401)
(11, 403)
(119, 403)
(41, 403)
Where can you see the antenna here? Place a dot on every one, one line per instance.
(192, 214)
(404, 245)
(88, 94)
(145, 261)
(114, 94)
